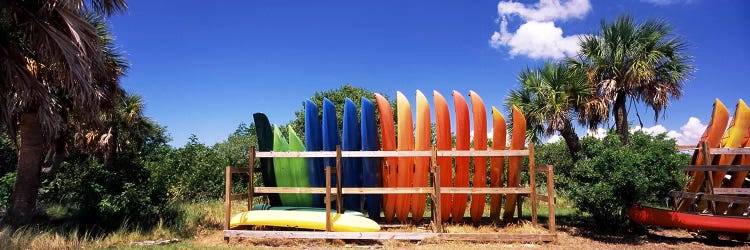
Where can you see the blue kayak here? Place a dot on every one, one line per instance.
(330, 135)
(314, 142)
(371, 172)
(351, 168)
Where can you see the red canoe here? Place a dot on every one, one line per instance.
(668, 218)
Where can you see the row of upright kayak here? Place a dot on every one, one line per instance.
(413, 131)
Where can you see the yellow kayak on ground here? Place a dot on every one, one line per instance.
(304, 219)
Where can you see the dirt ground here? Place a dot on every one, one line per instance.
(568, 237)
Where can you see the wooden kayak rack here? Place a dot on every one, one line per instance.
(709, 193)
(333, 193)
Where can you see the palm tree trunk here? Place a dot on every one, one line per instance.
(30, 157)
(621, 117)
(571, 140)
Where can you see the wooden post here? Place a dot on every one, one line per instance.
(250, 186)
(532, 183)
(227, 198)
(709, 179)
(551, 200)
(437, 217)
(339, 197)
(328, 198)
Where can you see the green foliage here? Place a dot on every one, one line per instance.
(6, 187)
(609, 176)
(555, 154)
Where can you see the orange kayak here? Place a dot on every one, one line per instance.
(444, 142)
(388, 132)
(733, 138)
(738, 178)
(462, 162)
(668, 218)
(712, 135)
(480, 162)
(517, 141)
(497, 164)
(421, 164)
(405, 169)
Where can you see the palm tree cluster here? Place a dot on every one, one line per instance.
(641, 62)
(59, 69)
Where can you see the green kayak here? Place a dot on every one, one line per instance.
(298, 167)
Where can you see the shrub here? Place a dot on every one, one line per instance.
(609, 176)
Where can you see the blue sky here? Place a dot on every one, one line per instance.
(203, 67)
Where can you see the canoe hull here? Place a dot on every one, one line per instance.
(388, 134)
(479, 114)
(666, 218)
(444, 142)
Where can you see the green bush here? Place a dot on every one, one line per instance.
(6, 187)
(609, 176)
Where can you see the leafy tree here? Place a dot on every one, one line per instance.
(550, 96)
(57, 65)
(609, 177)
(644, 62)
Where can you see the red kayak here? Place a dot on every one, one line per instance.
(668, 218)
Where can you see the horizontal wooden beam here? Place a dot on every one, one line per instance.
(715, 168)
(729, 151)
(545, 237)
(498, 237)
(711, 197)
(412, 190)
(731, 190)
(330, 154)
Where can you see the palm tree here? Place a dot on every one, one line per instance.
(57, 66)
(550, 97)
(644, 62)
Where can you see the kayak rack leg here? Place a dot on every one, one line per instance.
(532, 183)
(227, 198)
(437, 217)
(709, 180)
(250, 187)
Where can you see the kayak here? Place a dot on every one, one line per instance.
(480, 162)
(517, 142)
(444, 142)
(712, 135)
(265, 143)
(421, 164)
(667, 218)
(497, 164)
(462, 162)
(298, 167)
(405, 169)
(371, 171)
(282, 170)
(304, 219)
(733, 138)
(330, 135)
(314, 142)
(310, 209)
(351, 168)
(388, 134)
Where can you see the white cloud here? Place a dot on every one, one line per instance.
(546, 10)
(690, 133)
(599, 133)
(554, 138)
(538, 37)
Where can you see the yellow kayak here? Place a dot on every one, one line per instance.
(304, 219)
